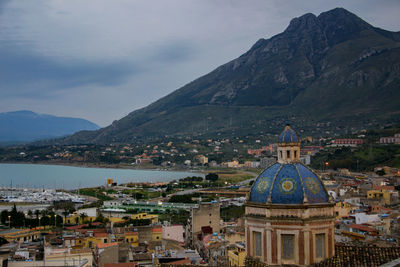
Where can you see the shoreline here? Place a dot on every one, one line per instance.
(107, 166)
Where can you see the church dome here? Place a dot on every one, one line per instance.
(291, 183)
(288, 136)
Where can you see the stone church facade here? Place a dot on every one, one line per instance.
(289, 216)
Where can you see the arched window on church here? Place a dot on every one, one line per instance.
(320, 246)
(287, 241)
(257, 244)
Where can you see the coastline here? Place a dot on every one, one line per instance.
(107, 166)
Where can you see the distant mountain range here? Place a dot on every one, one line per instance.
(27, 126)
(333, 68)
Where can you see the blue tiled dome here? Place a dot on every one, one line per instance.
(288, 136)
(291, 183)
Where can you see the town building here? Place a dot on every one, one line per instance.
(289, 216)
(206, 215)
(348, 142)
(390, 139)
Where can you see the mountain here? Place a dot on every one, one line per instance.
(333, 68)
(26, 126)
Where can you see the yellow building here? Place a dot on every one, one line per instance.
(20, 235)
(237, 255)
(77, 219)
(132, 238)
(236, 237)
(202, 159)
(380, 194)
(144, 215)
(157, 234)
(344, 209)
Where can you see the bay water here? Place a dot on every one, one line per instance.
(69, 177)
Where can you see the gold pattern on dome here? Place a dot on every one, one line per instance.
(312, 185)
(287, 186)
(263, 184)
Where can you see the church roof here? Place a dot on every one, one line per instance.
(288, 136)
(288, 183)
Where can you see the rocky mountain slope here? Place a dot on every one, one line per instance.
(333, 68)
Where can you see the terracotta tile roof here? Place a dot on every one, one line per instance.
(106, 245)
(74, 227)
(361, 256)
(363, 228)
(100, 235)
(381, 187)
(131, 233)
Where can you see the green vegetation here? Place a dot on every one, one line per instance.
(96, 192)
(363, 158)
(175, 216)
(16, 218)
(183, 198)
(232, 213)
(212, 177)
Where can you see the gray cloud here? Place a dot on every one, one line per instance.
(21, 68)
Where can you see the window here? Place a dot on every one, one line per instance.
(295, 154)
(288, 154)
(320, 245)
(257, 243)
(210, 222)
(287, 243)
(281, 153)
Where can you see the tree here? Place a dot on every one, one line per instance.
(17, 217)
(37, 213)
(380, 172)
(3, 241)
(4, 216)
(212, 177)
(83, 216)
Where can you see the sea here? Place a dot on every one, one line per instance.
(69, 177)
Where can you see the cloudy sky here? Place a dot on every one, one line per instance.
(101, 59)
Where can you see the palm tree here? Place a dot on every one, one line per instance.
(37, 213)
(82, 216)
(65, 214)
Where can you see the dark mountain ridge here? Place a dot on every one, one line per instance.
(27, 126)
(333, 67)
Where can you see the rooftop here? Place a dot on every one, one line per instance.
(106, 245)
